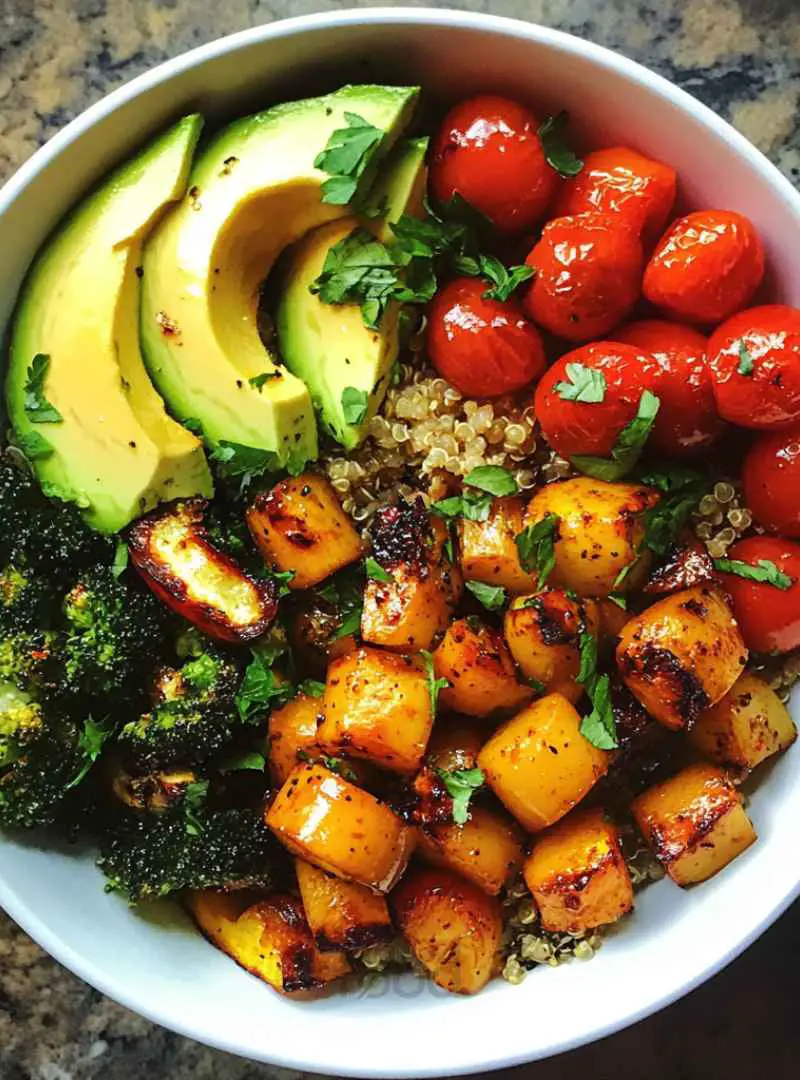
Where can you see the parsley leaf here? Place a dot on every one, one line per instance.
(346, 156)
(340, 767)
(536, 547)
(620, 599)
(461, 785)
(194, 801)
(260, 690)
(257, 381)
(252, 760)
(245, 462)
(358, 270)
(683, 489)
(629, 445)
(434, 684)
(311, 688)
(585, 385)
(354, 405)
(488, 480)
(556, 152)
(37, 408)
(764, 570)
(375, 571)
(504, 281)
(745, 365)
(587, 646)
(493, 479)
(120, 563)
(345, 590)
(33, 445)
(93, 737)
(493, 597)
(599, 727)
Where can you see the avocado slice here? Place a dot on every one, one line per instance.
(253, 191)
(328, 346)
(115, 451)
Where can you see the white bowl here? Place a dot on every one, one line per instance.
(155, 964)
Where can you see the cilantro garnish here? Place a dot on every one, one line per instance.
(504, 280)
(536, 547)
(244, 462)
(493, 479)
(358, 270)
(93, 737)
(628, 447)
(552, 136)
(434, 685)
(584, 384)
(37, 408)
(252, 760)
(354, 405)
(599, 726)
(587, 647)
(461, 785)
(493, 597)
(260, 690)
(194, 801)
(745, 365)
(764, 571)
(375, 571)
(311, 687)
(489, 480)
(346, 157)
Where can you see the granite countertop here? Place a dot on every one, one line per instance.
(742, 57)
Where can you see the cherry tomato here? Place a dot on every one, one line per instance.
(588, 276)
(706, 267)
(768, 617)
(754, 360)
(488, 152)
(687, 424)
(771, 479)
(571, 417)
(620, 181)
(484, 348)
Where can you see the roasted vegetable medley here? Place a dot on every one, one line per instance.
(440, 697)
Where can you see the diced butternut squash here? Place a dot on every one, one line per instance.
(598, 533)
(326, 820)
(488, 549)
(680, 656)
(543, 633)
(745, 727)
(487, 849)
(540, 765)
(453, 927)
(455, 743)
(292, 731)
(299, 525)
(377, 705)
(476, 662)
(577, 874)
(341, 914)
(269, 938)
(694, 823)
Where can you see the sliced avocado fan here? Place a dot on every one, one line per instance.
(254, 190)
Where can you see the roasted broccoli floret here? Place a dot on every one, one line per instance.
(153, 855)
(28, 659)
(27, 600)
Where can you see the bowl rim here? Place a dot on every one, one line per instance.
(114, 986)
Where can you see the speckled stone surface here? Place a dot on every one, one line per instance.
(742, 57)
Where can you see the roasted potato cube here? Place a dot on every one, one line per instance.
(681, 655)
(409, 611)
(543, 633)
(170, 550)
(695, 823)
(292, 730)
(749, 724)
(377, 706)
(577, 874)
(488, 549)
(539, 764)
(487, 849)
(453, 927)
(478, 666)
(455, 743)
(299, 525)
(326, 820)
(269, 938)
(598, 533)
(342, 915)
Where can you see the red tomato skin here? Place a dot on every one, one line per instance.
(484, 348)
(487, 150)
(770, 396)
(588, 276)
(620, 181)
(768, 617)
(771, 481)
(576, 427)
(706, 267)
(687, 425)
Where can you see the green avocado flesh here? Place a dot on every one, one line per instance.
(115, 451)
(328, 346)
(254, 190)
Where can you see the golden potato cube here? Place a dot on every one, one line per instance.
(487, 849)
(694, 823)
(453, 927)
(599, 533)
(292, 731)
(488, 549)
(681, 655)
(377, 705)
(270, 938)
(299, 525)
(478, 666)
(543, 633)
(341, 914)
(540, 765)
(455, 743)
(577, 874)
(326, 820)
(745, 727)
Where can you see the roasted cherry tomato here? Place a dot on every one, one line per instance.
(768, 616)
(687, 424)
(488, 152)
(620, 181)
(771, 479)
(588, 276)
(754, 360)
(484, 348)
(706, 267)
(588, 396)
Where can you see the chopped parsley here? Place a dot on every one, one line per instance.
(194, 803)
(493, 479)
(480, 486)
(248, 760)
(584, 384)
(599, 726)
(536, 547)
(354, 405)
(37, 408)
(493, 597)
(346, 156)
(461, 785)
(311, 687)
(764, 571)
(628, 447)
(745, 365)
(434, 685)
(552, 136)
(504, 280)
(260, 690)
(358, 270)
(243, 462)
(93, 737)
(587, 647)
(375, 571)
